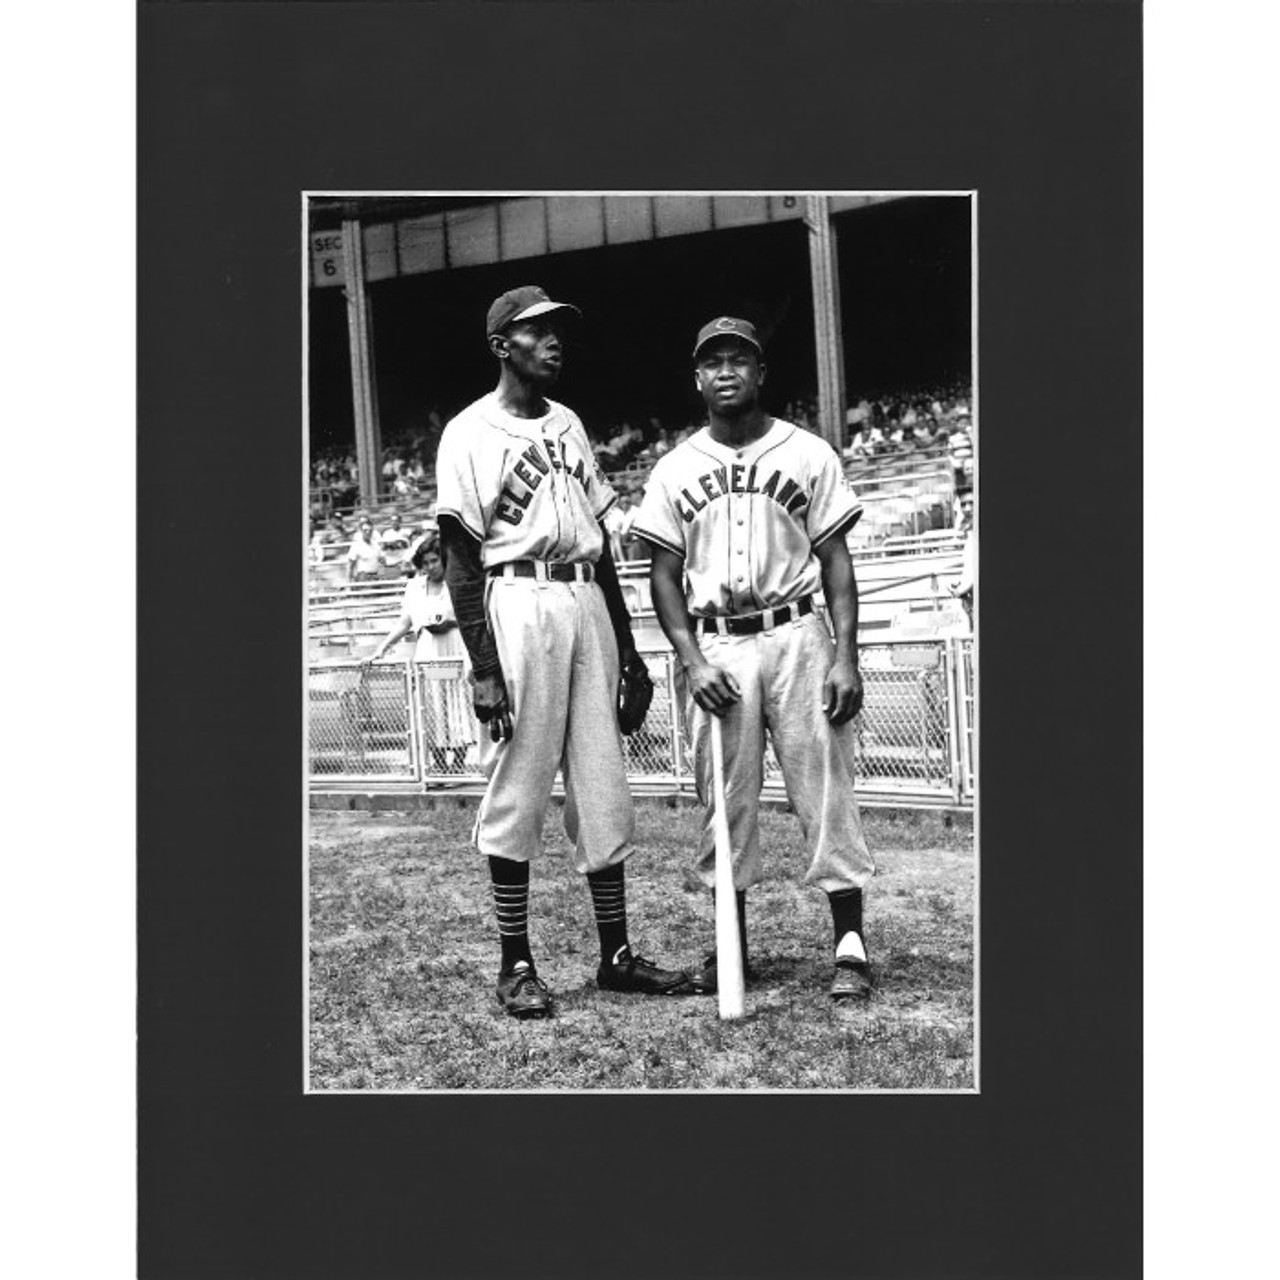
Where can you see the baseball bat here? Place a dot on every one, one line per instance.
(730, 986)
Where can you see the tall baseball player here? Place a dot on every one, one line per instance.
(752, 513)
(537, 600)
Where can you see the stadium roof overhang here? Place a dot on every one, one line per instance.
(410, 235)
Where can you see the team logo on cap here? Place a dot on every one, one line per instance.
(726, 322)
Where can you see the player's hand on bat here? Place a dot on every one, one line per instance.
(842, 692)
(492, 707)
(713, 688)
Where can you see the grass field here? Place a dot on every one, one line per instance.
(403, 957)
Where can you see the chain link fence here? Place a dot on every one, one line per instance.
(359, 723)
(414, 724)
(656, 751)
(448, 732)
(966, 705)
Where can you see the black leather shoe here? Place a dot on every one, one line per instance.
(852, 980)
(634, 974)
(522, 993)
(704, 981)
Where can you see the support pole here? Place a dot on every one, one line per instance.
(828, 339)
(363, 392)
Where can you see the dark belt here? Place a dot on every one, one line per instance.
(752, 623)
(545, 570)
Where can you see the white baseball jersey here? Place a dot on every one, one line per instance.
(746, 520)
(526, 488)
(530, 488)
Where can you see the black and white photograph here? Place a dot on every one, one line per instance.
(639, 606)
(640, 637)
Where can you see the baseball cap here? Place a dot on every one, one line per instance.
(522, 303)
(727, 326)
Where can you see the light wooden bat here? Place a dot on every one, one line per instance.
(730, 986)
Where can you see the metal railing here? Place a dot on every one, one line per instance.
(411, 726)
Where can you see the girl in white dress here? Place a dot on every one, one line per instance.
(426, 614)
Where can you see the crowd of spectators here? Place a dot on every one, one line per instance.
(370, 551)
(630, 447)
(879, 427)
(406, 469)
(405, 474)
(938, 422)
(335, 475)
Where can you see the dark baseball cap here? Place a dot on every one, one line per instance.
(727, 327)
(522, 303)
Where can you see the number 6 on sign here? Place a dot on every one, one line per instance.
(729, 979)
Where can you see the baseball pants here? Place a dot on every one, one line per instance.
(781, 674)
(560, 663)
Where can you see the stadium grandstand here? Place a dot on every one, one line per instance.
(895, 401)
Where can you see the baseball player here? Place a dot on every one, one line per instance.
(538, 604)
(752, 513)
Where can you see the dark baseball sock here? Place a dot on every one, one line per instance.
(511, 903)
(846, 912)
(741, 896)
(609, 898)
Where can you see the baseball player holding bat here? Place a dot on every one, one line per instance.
(752, 512)
(556, 671)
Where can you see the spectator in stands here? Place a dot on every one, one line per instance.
(901, 439)
(961, 448)
(395, 541)
(632, 548)
(928, 435)
(618, 449)
(866, 442)
(963, 588)
(426, 614)
(324, 537)
(855, 416)
(613, 523)
(364, 559)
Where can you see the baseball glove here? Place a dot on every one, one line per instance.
(635, 693)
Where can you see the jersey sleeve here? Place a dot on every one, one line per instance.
(657, 519)
(465, 486)
(833, 506)
(601, 495)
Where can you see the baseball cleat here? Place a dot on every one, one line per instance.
(852, 980)
(522, 993)
(704, 981)
(634, 974)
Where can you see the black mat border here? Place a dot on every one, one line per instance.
(243, 106)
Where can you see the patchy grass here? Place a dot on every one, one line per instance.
(403, 953)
